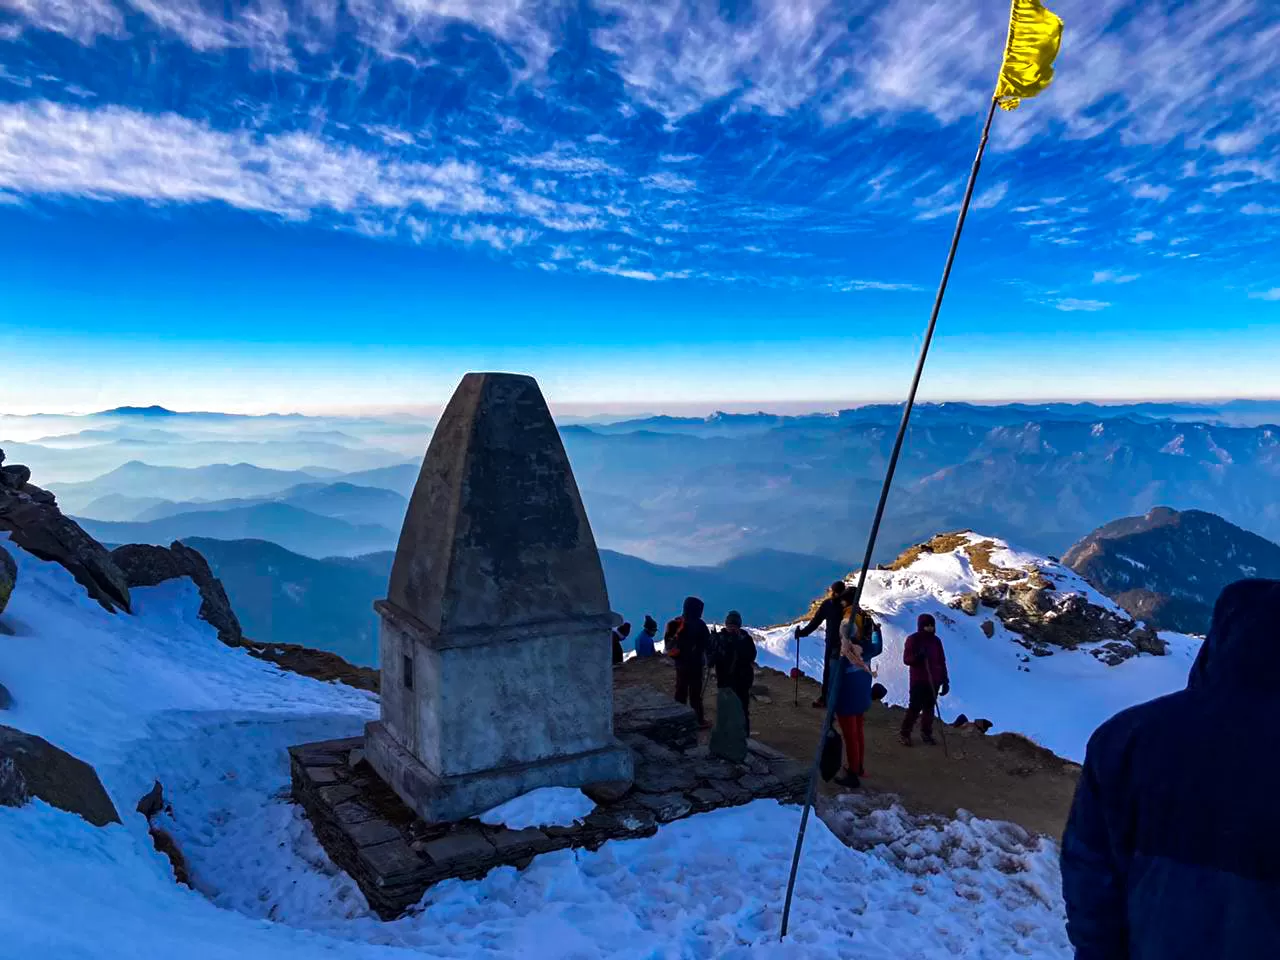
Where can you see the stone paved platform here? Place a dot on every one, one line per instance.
(394, 857)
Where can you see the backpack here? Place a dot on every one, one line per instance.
(832, 754)
(671, 636)
(873, 644)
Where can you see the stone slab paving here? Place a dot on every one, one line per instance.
(394, 856)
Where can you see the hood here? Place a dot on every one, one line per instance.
(925, 620)
(693, 607)
(650, 624)
(1243, 646)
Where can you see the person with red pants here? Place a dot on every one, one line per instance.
(853, 699)
(928, 680)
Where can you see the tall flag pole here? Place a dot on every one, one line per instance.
(1034, 37)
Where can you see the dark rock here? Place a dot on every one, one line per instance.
(993, 595)
(707, 797)
(8, 576)
(664, 778)
(759, 783)
(607, 791)
(458, 848)
(145, 565)
(983, 725)
(960, 721)
(6, 698)
(665, 806)
(731, 791)
(644, 711)
(15, 477)
(165, 843)
(32, 767)
(371, 832)
(967, 602)
(1114, 653)
(1148, 641)
(38, 526)
(517, 843)
(1048, 617)
(153, 802)
(989, 628)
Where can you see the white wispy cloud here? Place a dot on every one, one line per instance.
(1259, 210)
(1272, 294)
(669, 182)
(848, 286)
(1113, 276)
(1149, 191)
(1143, 236)
(1071, 305)
(932, 208)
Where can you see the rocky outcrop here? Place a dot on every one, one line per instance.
(145, 565)
(34, 523)
(33, 767)
(316, 664)
(8, 577)
(1044, 616)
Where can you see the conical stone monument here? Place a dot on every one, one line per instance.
(495, 653)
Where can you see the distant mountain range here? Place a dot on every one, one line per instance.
(694, 491)
(283, 597)
(291, 527)
(1168, 567)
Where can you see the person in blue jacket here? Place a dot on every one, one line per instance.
(1171, 849)
(648, 635)
(853, 699)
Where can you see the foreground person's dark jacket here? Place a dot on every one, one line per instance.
(1172, 849)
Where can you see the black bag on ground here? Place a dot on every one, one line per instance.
(832, 754)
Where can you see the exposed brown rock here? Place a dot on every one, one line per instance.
(145, 565)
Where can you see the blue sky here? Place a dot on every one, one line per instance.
(667, 204)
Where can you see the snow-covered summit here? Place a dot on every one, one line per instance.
(1030, 644)
(155, 695)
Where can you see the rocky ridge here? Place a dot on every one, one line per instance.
(1045, 605)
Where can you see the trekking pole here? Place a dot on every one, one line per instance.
(937, 710)
(809, 795)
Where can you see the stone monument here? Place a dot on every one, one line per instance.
(495, 655)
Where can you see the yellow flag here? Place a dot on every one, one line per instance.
(1034, 37)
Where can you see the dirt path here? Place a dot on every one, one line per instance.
(1003, 777)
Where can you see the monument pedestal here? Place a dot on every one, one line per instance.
(438, 799)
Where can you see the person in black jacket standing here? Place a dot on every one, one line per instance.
(829, 613)
(734, 662)
(1171, 849)
(687, 640)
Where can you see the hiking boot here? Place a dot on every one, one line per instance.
(848, 780)
(905, 739)
(929, 741)
(819, 704)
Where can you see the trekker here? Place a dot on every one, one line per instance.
(928, 679)
(1171, 851)
(619, 634)
(733, 659)
(687, 639)
(648, 636)
(853, 699)
(829, 613)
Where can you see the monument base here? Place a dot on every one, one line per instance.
(437, 799)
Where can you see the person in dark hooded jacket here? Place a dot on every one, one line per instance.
(687, 641)
(927, 678)
(1171, 849)
(828, 615)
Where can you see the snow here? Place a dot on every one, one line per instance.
(1057, 701)
(156, 696)
(544, 807)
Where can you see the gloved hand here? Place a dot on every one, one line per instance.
(944, 689)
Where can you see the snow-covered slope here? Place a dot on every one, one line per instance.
(1057, 698)
(156, 696)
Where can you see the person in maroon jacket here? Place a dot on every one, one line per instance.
(923, 653)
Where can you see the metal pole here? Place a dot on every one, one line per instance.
(832, 691)
(937, 710)
(888, 477)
